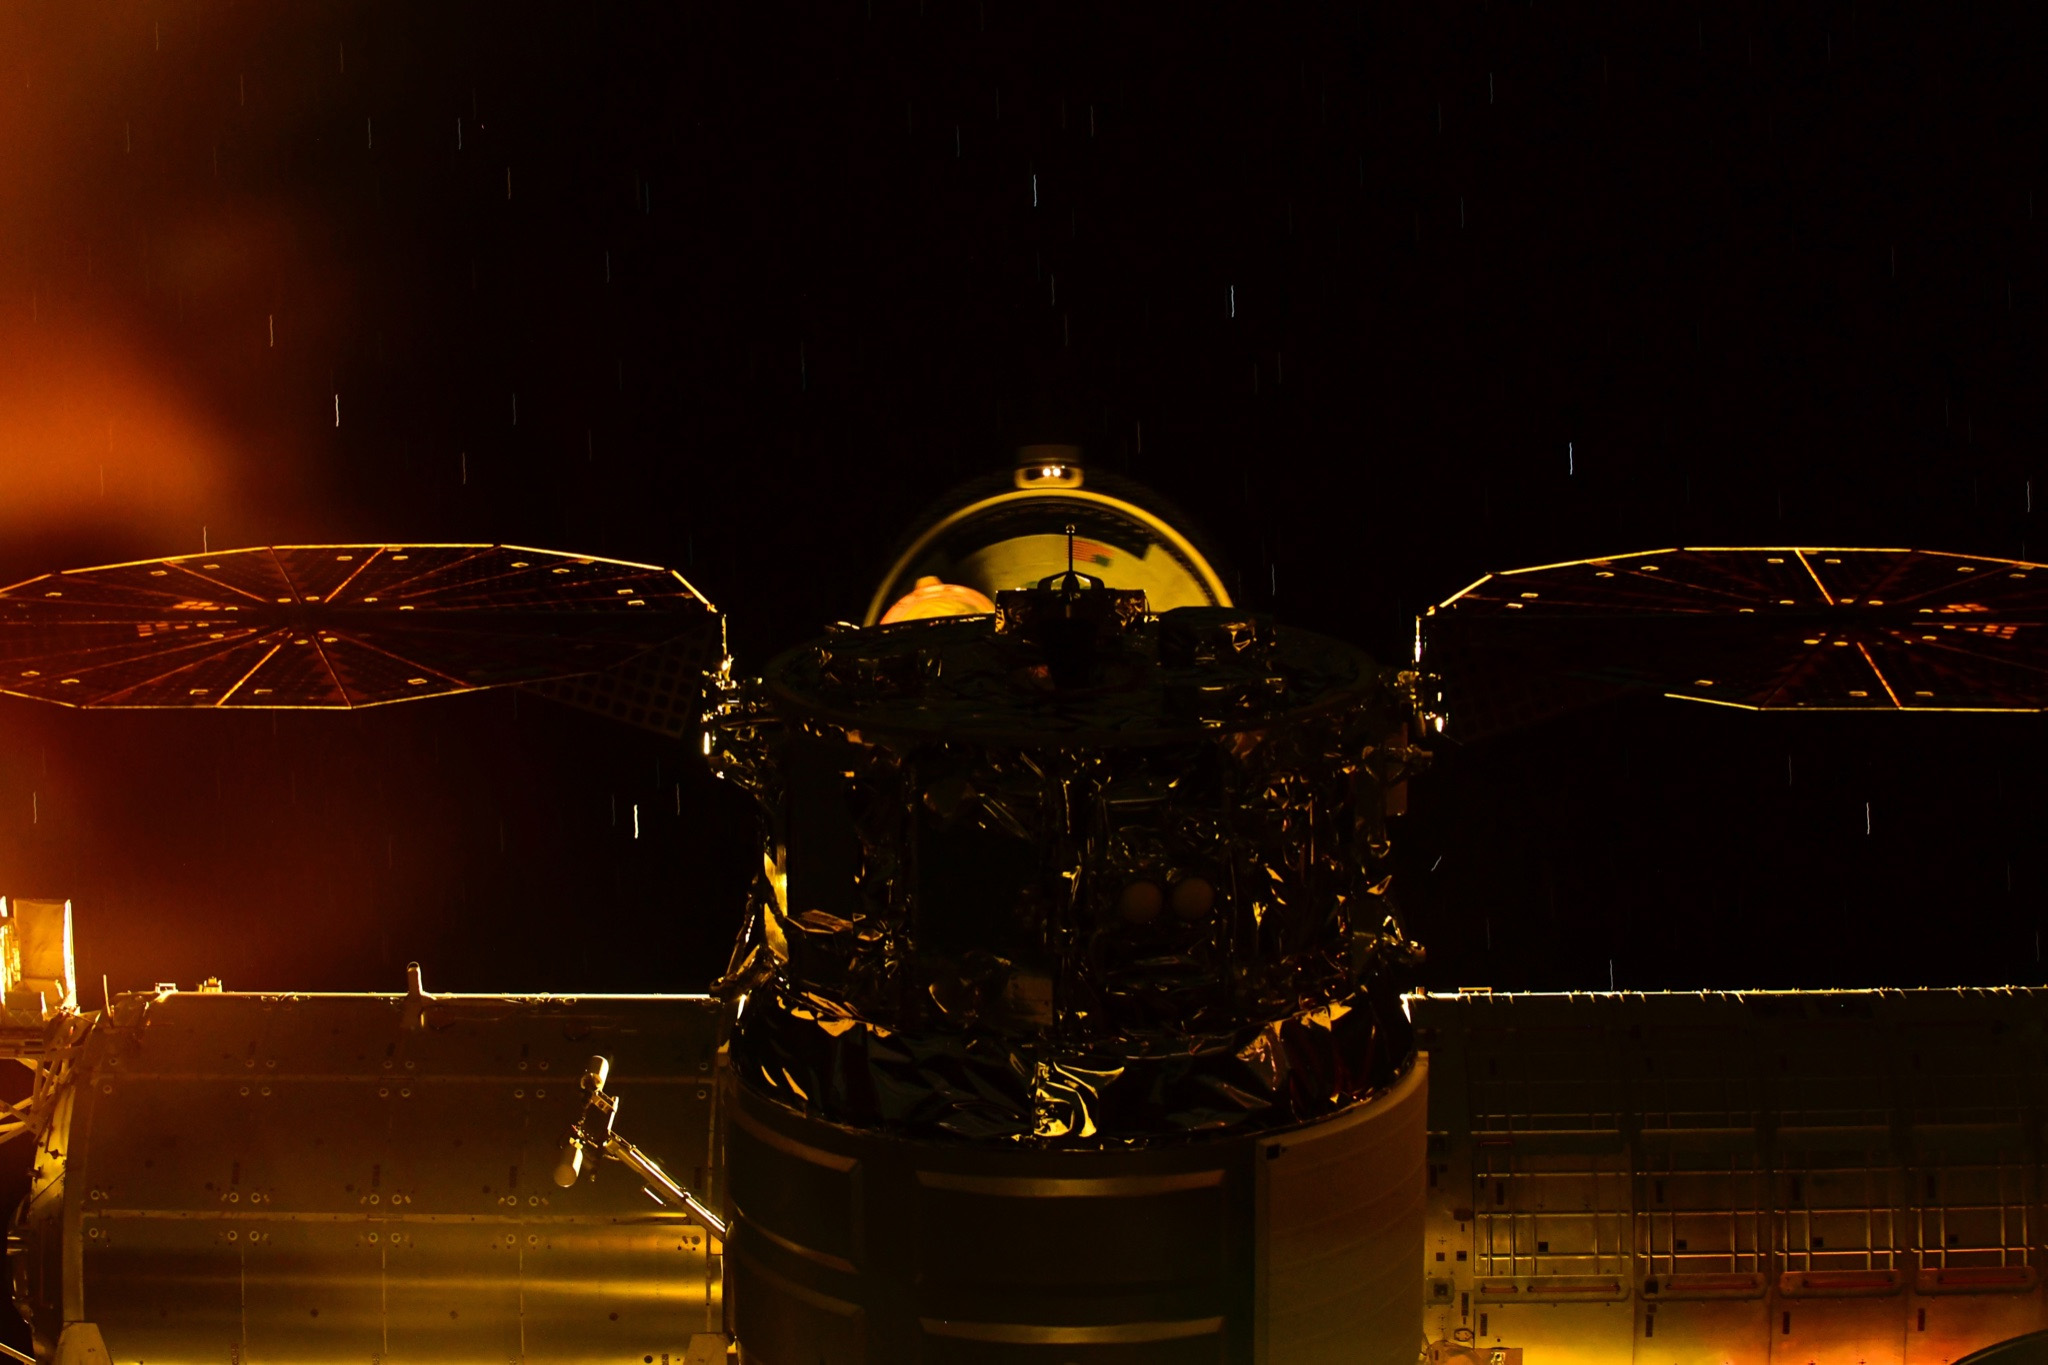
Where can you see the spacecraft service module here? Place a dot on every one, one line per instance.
(1073, 1018)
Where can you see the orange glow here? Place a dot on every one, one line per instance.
(141, 397)
(932, 598)
(89, 434)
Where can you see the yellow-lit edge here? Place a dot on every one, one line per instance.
(253, 669)
(1741, 549)
(1595, 559)
(1882, 680)
(1814, 574)
(269, 706)
(1750, 706)
(1481, 581)
(374, 546)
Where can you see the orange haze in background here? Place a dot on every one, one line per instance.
(166, 333)
(137, 292)
(90, 431)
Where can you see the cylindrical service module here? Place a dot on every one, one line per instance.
(1072, 929)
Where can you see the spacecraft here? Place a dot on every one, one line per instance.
(1072, 1018)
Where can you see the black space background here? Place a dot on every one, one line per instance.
(1511, 283)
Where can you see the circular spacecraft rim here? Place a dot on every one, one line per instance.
(1170, 535)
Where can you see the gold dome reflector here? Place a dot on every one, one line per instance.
(1009, 533)
(932, 598)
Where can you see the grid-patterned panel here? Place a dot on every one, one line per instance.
(1864, 1159)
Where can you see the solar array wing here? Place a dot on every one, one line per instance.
(1790, 629)
(335, 626)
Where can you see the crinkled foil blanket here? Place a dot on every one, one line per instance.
(972, 921)
(807, 1056)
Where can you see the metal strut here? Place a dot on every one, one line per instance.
(593, 1129)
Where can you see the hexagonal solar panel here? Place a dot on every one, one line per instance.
(335, 626)
(1790, 629)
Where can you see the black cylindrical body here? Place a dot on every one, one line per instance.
(1071, 898)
